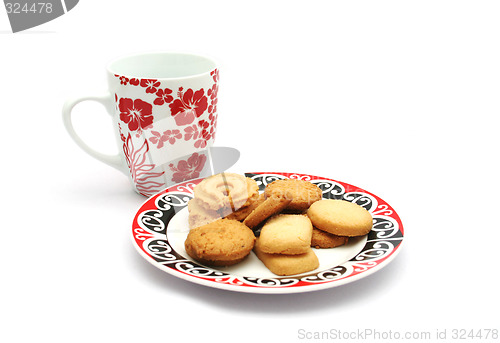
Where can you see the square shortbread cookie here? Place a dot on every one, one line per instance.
(284, 265)
(286, 234)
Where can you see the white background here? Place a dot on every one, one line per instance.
(400, 98)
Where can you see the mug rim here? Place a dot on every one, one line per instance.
(211, 60)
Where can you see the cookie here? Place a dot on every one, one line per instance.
(340, 217)
(223, 242)
(225, 191)
(244, 211)
(199, 215)
(303, 193)
(285, 265)
(272, 205)
(286, 234)
(252, 190)
(324, 240)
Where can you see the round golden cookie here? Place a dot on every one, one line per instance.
(272, 205)
(323, 240)
(223, 242)
(303, 193)
(340, 217)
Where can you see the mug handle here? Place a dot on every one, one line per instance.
(106, 100)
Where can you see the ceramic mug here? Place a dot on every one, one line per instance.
(164, 112)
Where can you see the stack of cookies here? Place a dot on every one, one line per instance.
(222, 195)
(227, 212)
(217, 237)
(284, 245)
(337, 220)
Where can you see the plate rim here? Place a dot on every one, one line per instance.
(263, 289)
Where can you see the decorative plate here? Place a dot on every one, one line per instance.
(160, 228)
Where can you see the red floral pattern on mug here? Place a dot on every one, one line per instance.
(215, 75)
(204, 138)
(168, 136)
(163, 96)
(212, 109)
(123, 80)
(136, 113)
(150, 85)
(213, 121)
(201, 133)
(212, 92)
(189, 106)
(147, 180)
(188, 169)
(191, 132)
(135, 82)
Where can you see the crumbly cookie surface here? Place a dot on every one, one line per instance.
(340, 217)
(220, 243)
(303, 193)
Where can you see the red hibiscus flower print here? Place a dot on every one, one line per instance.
(188, 169)
(203, 140)
(136, 113)
(150, 85)
(172, 135)
(203, 124)
(168, 136)
(185, 118)
(213, 119)
(134, 82)
(163, 96)
(215, 75)
(212, 92)
(213, 124)
(123, 80)
(189, 106)
(191, 132)
(201, 133)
